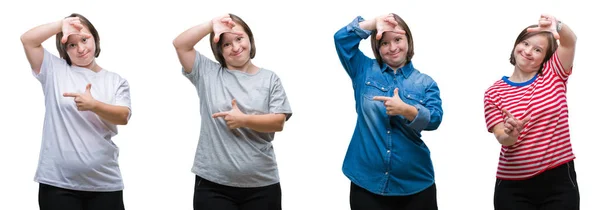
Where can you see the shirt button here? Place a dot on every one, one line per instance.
(388, 151)
(388, 132)
(421, 101)
(386, 173)
(382, 88)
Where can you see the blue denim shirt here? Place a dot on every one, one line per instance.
(386, 155)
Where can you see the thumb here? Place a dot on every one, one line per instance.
(396, 93)
(217, 37)
(379, 34)
(526, 120)
(88, 88)
(234, 104)
(64, 38)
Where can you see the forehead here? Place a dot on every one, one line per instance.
(392, 35)
(539, 40)
(74, 38)
(236, 28)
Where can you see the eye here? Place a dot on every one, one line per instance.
(398, 39)
(84, 40)
(538, 50)
(384, 43)
(226, 45)
(525, 43)
(238, 39)
(71, 45)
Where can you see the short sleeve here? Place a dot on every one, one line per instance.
(278, 101)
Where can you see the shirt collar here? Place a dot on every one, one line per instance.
(405, 70)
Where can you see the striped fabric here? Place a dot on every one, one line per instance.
(544, 142)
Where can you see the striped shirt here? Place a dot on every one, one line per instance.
(544, 142)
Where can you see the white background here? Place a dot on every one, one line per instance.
(464, 46)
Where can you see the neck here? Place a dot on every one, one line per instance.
(247, 67)
(521, 76)
(93, 66)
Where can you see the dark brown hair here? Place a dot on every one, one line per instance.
(62, 50)
(376, 44)
(217, 49)
(552, 45)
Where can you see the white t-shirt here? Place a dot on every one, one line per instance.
(77, 151)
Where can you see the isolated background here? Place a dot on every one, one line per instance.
(463, 45)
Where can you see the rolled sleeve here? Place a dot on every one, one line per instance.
(421, 120)
(355, 27)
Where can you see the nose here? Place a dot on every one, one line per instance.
(235, 47)
(528, 50)
(80, 48)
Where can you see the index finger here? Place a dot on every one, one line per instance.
(219, 114)
(381, 98)
(70, 94)
(508, 114)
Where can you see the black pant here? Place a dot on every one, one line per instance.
(55, 198)
(212, 196)
(553, 189)
(362, 199)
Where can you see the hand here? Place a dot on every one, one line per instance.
(393, 105)
(513, 126)
(387, 23)
(234, 118)
(223, 24)
(546, 23)
(84, 101)
(72, 26)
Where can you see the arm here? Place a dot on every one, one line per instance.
(118, 115)
(347, 40)
(502, 137)
(266, 123)
(566, 47)
(32, 42)
(184, 44)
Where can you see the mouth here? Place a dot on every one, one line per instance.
(524, 56)
(84, 55)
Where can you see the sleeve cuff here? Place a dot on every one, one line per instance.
(422, 119)
(354, 27)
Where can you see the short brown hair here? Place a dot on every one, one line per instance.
(218, 50)
(62, 47)
(376, 44)
(552, 45)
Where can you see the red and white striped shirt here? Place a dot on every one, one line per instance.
(544, 142)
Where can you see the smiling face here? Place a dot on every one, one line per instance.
(236, 48)
(393, 49)
(81, 50)
(78, 50)
(396, 50)
(532, 50)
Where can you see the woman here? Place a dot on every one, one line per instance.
(388, 164)
(528, 114)
(241, 107)
(78, 167)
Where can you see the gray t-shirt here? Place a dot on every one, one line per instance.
(77, 152)
(241, 157)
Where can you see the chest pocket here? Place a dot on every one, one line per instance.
(374, 88)
(413, 98)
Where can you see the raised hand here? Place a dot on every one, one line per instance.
(547, 23)
(84, 101)
(387, 23)
(393, 105)
(223, 24)
(512, 125)
(234, 118)
(72, 26)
